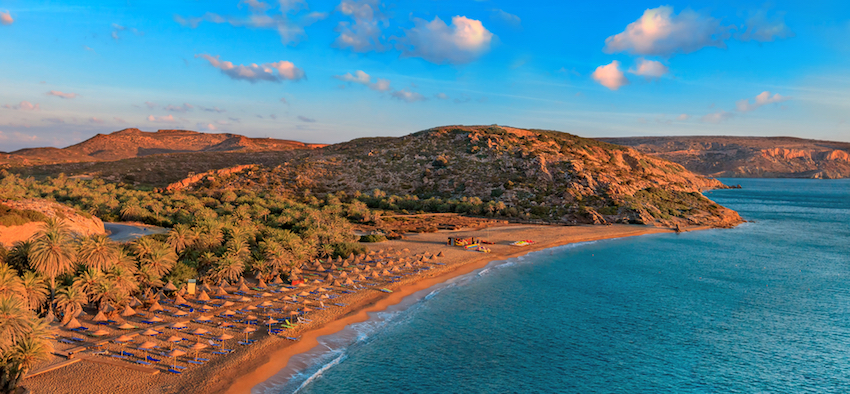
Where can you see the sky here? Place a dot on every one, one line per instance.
(331, 71)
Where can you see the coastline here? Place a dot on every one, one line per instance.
(278, 359)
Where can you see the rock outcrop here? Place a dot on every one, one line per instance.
(79, 223)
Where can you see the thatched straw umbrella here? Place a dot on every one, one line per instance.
(248, 330)
(224, 337)
(203, 296)
(177, 325)
(385, 273)
(361, 277)
(226, 304)
(223, 284)
(148, 345)
(155, 307)
(220, 291)
(243, 299)
(178, 300)
(228, 313)
(204, 318)
(180, 313)
(128, 311)
(174, 354)
(269, 322)
(243, 287)
(199, 331)
(206, 287)
(99, 317)
(207, 308)
(99, 332)
(155, 319)
(277, 280)
(348, 282)
(261, 284)
(122, 340)
(182, 291)
(174, 339)
(170, 286)
(250, 308)
(151, 332)
(336, 283)
(127, 326)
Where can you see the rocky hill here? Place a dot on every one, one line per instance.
(131, 143)
(19, 220)
(756, 157)
(545, 174)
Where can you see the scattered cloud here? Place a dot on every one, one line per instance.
(151, 105)
(283, 100)
(186, 107)
(213, 109)
(717, 117)
(95, 120)
(306, 119)
(253, 72)
(683, 117)
(117, 28)
(435, 41)
(16, 136)
(610, 76)
(6, 18)
(659, 32)
(162, 119)
(761, 99)
(237, 120)
(762, 28)
(286, 19)
(360, 77)
(23, 106)
(441, 96)
(408, 96)
(206, 126)
(506, 17)
(119, 120)
(649, 68)
(364, 34)
(222, 122)
(273, 116)
(464, 98)
(62, 94)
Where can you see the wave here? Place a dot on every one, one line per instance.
(321, 370)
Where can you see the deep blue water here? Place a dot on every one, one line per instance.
(764, 307)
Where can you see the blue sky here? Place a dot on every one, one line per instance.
(331, 71)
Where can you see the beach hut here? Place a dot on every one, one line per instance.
(128, 311)
(169, 286)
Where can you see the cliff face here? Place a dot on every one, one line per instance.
(550, 175)
(769, 157)
(82, 225)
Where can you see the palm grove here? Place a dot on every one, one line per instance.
(214, 235)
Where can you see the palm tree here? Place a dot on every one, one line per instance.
(181, 237)
(238, 247)
(87, 281)
(124, 259)
(25, 342)
(97, 251)
(229, 267)
(146, 278)
(144, 246)
(52, 252)
(18, 256)
(159, 260)
(123, 279)
(275, 255)
(10, 283)
(70, 300)
(34, 290)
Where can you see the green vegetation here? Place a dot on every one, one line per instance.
(14, 217)
(373, 238)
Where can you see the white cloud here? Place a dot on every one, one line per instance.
(408, 96)
(441, 96)
(95, 120)
(6, 18)
(360, 77)
(256, 6)
(761, 28)
(306, 119)
(381, 85)
(151, 105)
(62, 94)
(283, 100)
(364, 34)
(253, 72)
(162, 119)
(116, 28)
(610, 76)
(206, 126)
(683, 117)
(761, 99)
(207, 109)
(462, 42)
(286, 20)
(649, 68)
(717, 117)
(119, 120)
(506, 17)
(660, 33)
(23, 106)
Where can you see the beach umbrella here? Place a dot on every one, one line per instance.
(224, 337)
(379, 265)
(207, 307)
(250, 308)
(223, 283)
(302, 285)
(72, 323)
(128, 311)
(264, 294)
(343, 274)
(333, 267)
(265, 304)
(385, 273)
(361, 277)
(248, 330)
(296, 270)
(395, 270)
(99, 317)
(107, 307)
(182, 291)
(269, 322)
(174, 339)
(150, 332)
(345, 264)
(177, 325)
(226, 304)
(179, 300)
(174, 354)
(99, 332)
(316, 281)
(356, 270)
(170, 286)
(336, 283)
(199, 331)
(204, 318)
(123, 341)
(277, 280)
(220, 291)
(198, 347)
(180, 313)
(329, 278)
(228, 313)
(440, 254)
(261, 284)
(225, 324)
(203, 296)
(155, 319)
(126, 326)
(206, 287)
(348, 282)
(148, 345)
(243, 299)
(243, 287)
(251, 317)
(50, 317)
(155, 307)
(158, 296)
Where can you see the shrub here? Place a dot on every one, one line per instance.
(373, 238)
(343, 249)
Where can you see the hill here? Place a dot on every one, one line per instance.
(132, 143)
(754, 157)
(20, 219)
(533, 174)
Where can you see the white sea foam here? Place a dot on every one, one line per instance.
(321, 370)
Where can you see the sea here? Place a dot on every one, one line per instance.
(763, 307)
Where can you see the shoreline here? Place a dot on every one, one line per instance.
(278, 359)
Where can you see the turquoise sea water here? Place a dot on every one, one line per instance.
(764, 307)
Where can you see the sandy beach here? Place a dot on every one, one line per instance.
(247, 366)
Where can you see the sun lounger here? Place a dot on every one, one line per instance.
(292, 339)
(244, 343)
(63, 340)
(219, 353)
(128, 354)
(174, 371)
(156, 360)
(78, 339)
(100, 353)
(202, 359)
(78, 329)
(179, 367)
(147, 322)
(119, 356)
(194, 362)
(142, 362)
